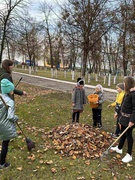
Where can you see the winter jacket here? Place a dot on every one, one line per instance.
(119, 99)
(128, 109)
(7, 119)
(78, 98)
(4, 74)
(100, 99)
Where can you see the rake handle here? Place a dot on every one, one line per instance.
(119, 137)
(21, 129)
(4, 102)
(18, 82)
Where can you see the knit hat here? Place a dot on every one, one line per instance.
(78, 79)
(6, 86)
(121, 86)
(80, 82)
(99, 86)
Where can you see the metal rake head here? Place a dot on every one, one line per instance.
(104, 155)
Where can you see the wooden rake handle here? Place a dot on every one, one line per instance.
(119, 137)
(4, 102)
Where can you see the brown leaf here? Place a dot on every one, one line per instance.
(53, 170)
(49, 162)
(19, 168)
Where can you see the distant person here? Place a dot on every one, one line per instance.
(127, 118)
(7, 120)
(6, 73)
(117, 105)
(97, 111)
(78, 100)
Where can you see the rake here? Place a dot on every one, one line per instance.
(105, 153)
(29, 142)
(18, 82)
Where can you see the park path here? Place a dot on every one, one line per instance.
(59, 85)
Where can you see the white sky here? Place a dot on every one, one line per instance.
(34, 3)
(34, 7)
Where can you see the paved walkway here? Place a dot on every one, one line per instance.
(60, 85)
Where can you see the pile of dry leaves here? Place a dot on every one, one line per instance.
(77, 140)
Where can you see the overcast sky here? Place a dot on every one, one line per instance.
(34, 7)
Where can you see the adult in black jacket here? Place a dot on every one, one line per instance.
(127, 119)
(6, 73)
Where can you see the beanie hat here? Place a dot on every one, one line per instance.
(99, 86)
(78, 79)
(80, 82)
(6, 86)
(121, 86)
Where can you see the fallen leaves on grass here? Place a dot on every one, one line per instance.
(34, 91)
(81, 178)
(19, 168)
(53, 170)
(76, 140)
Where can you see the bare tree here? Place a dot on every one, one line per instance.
(46, 9)
(7, 19)
(29, 43)
(123, 28)
(88, 18)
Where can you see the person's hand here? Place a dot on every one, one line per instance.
(108, 106)
(95, 102)
(73, 104)
(132, 89)
(24, 93)
(131, 124)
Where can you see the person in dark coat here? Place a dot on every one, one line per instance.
(6, 73)
(78, 100)
(7, 120)
(126, 119)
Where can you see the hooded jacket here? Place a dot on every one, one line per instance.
(78, 98)
(7, 119)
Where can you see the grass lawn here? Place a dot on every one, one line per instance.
(41, 111)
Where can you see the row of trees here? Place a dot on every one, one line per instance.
(99, 35)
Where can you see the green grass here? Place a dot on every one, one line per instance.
(39, 114)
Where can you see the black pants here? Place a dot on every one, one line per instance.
(117, 131)
(75, 117)
(96, 116)
(4, 151)
(128, 135)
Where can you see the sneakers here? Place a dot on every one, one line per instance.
(127, 158)
(99, 126)
(115, 136)
(116, 149)
(5, 165)
(94, 124)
